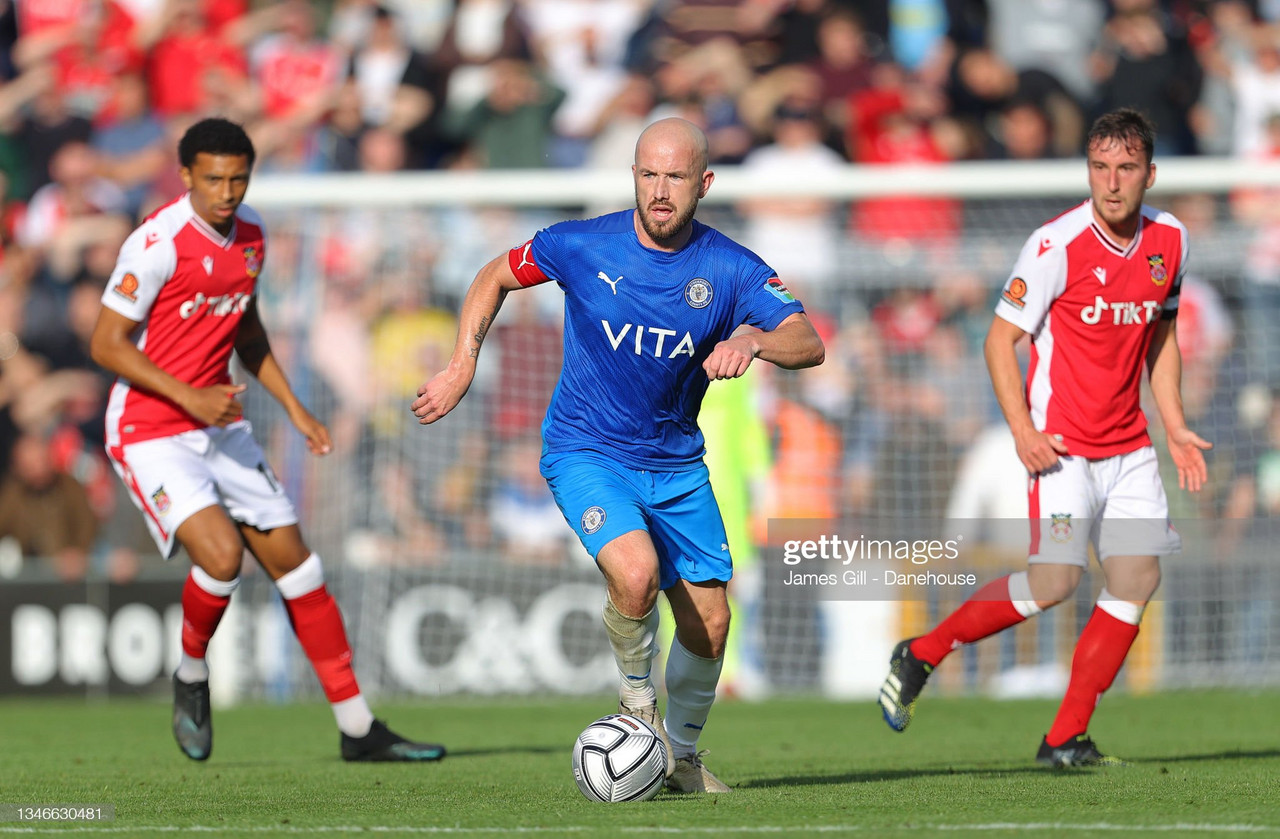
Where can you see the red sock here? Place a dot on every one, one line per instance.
(318, 625)
(986, 613)
(1100, 652)
(201, 612)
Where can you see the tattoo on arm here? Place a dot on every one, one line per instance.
(485, 322)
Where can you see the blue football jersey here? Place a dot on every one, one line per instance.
(638, 325)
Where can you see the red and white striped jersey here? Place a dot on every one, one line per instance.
(187, 286)
(1091, 308)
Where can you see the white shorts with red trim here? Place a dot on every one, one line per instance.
(172, 478)
(1116, 504)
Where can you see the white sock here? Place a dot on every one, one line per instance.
(191, 670)
(353, 716)
(691, 688)
(634, 646)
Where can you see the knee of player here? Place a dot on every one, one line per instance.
(1134, 581)
(634, 592)
(221, 561)
(1052, 584)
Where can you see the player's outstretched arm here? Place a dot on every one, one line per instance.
(1164, 362)
(442, 392)
(1037, 451)
(254, 349)
(112, 348)
(793, 345)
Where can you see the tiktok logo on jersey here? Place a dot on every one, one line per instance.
(220, 305)
(1122, 313)
(647, 339)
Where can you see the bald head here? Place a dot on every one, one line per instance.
(674, 137)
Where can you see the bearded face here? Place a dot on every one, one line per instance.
(664, 220)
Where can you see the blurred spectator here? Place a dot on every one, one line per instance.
(983, 87)
(529, 359)
(1048, 35)
(398, 89)
(76, 210)
(917, 29)
(692, 23)
(192, 60)
(526, 522)
(708, 85)
(46, 511)
(991, 482)
(802, 484)
(843, 63)
(511, 127)
(1024, 133)
(797, 237)
(48, 127)
(338, 139)
(905, 320)
(1144, 62)
(894, 121)
(479, 33)
(620, 122)
(86, 52)
(292, 68)
(1256, 83)
(133, 147)
(582, 43)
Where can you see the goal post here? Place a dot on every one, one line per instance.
(457, 573)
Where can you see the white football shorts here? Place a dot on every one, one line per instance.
(1116, 504)
(172, 478)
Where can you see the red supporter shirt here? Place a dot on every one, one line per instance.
(291, 73)
(35, 15)
(1091, 308)
(179, 66)
(188, 287)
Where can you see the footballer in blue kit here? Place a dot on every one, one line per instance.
(653, 305)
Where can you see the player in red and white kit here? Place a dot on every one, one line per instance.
(181, 299)
(1097, 291)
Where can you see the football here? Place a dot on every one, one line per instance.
(619, 758)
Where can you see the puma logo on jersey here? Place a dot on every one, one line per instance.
(613, 284)
(524, 257)
(657, 338)
(1101, 274)
(220, 305)
(1123, 312)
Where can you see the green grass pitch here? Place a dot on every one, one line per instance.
(1201, 763)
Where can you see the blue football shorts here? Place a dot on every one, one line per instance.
(601, 500)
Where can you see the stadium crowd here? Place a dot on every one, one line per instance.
(94, 94)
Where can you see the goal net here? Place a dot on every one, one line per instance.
(458, 574)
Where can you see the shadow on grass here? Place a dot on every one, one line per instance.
(507, 750)
(883, 775)
(880, 775)
(1233, 754)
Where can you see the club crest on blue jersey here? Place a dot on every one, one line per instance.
(698, 293)
(592, 520)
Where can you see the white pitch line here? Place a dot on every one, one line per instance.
(1023, 827)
